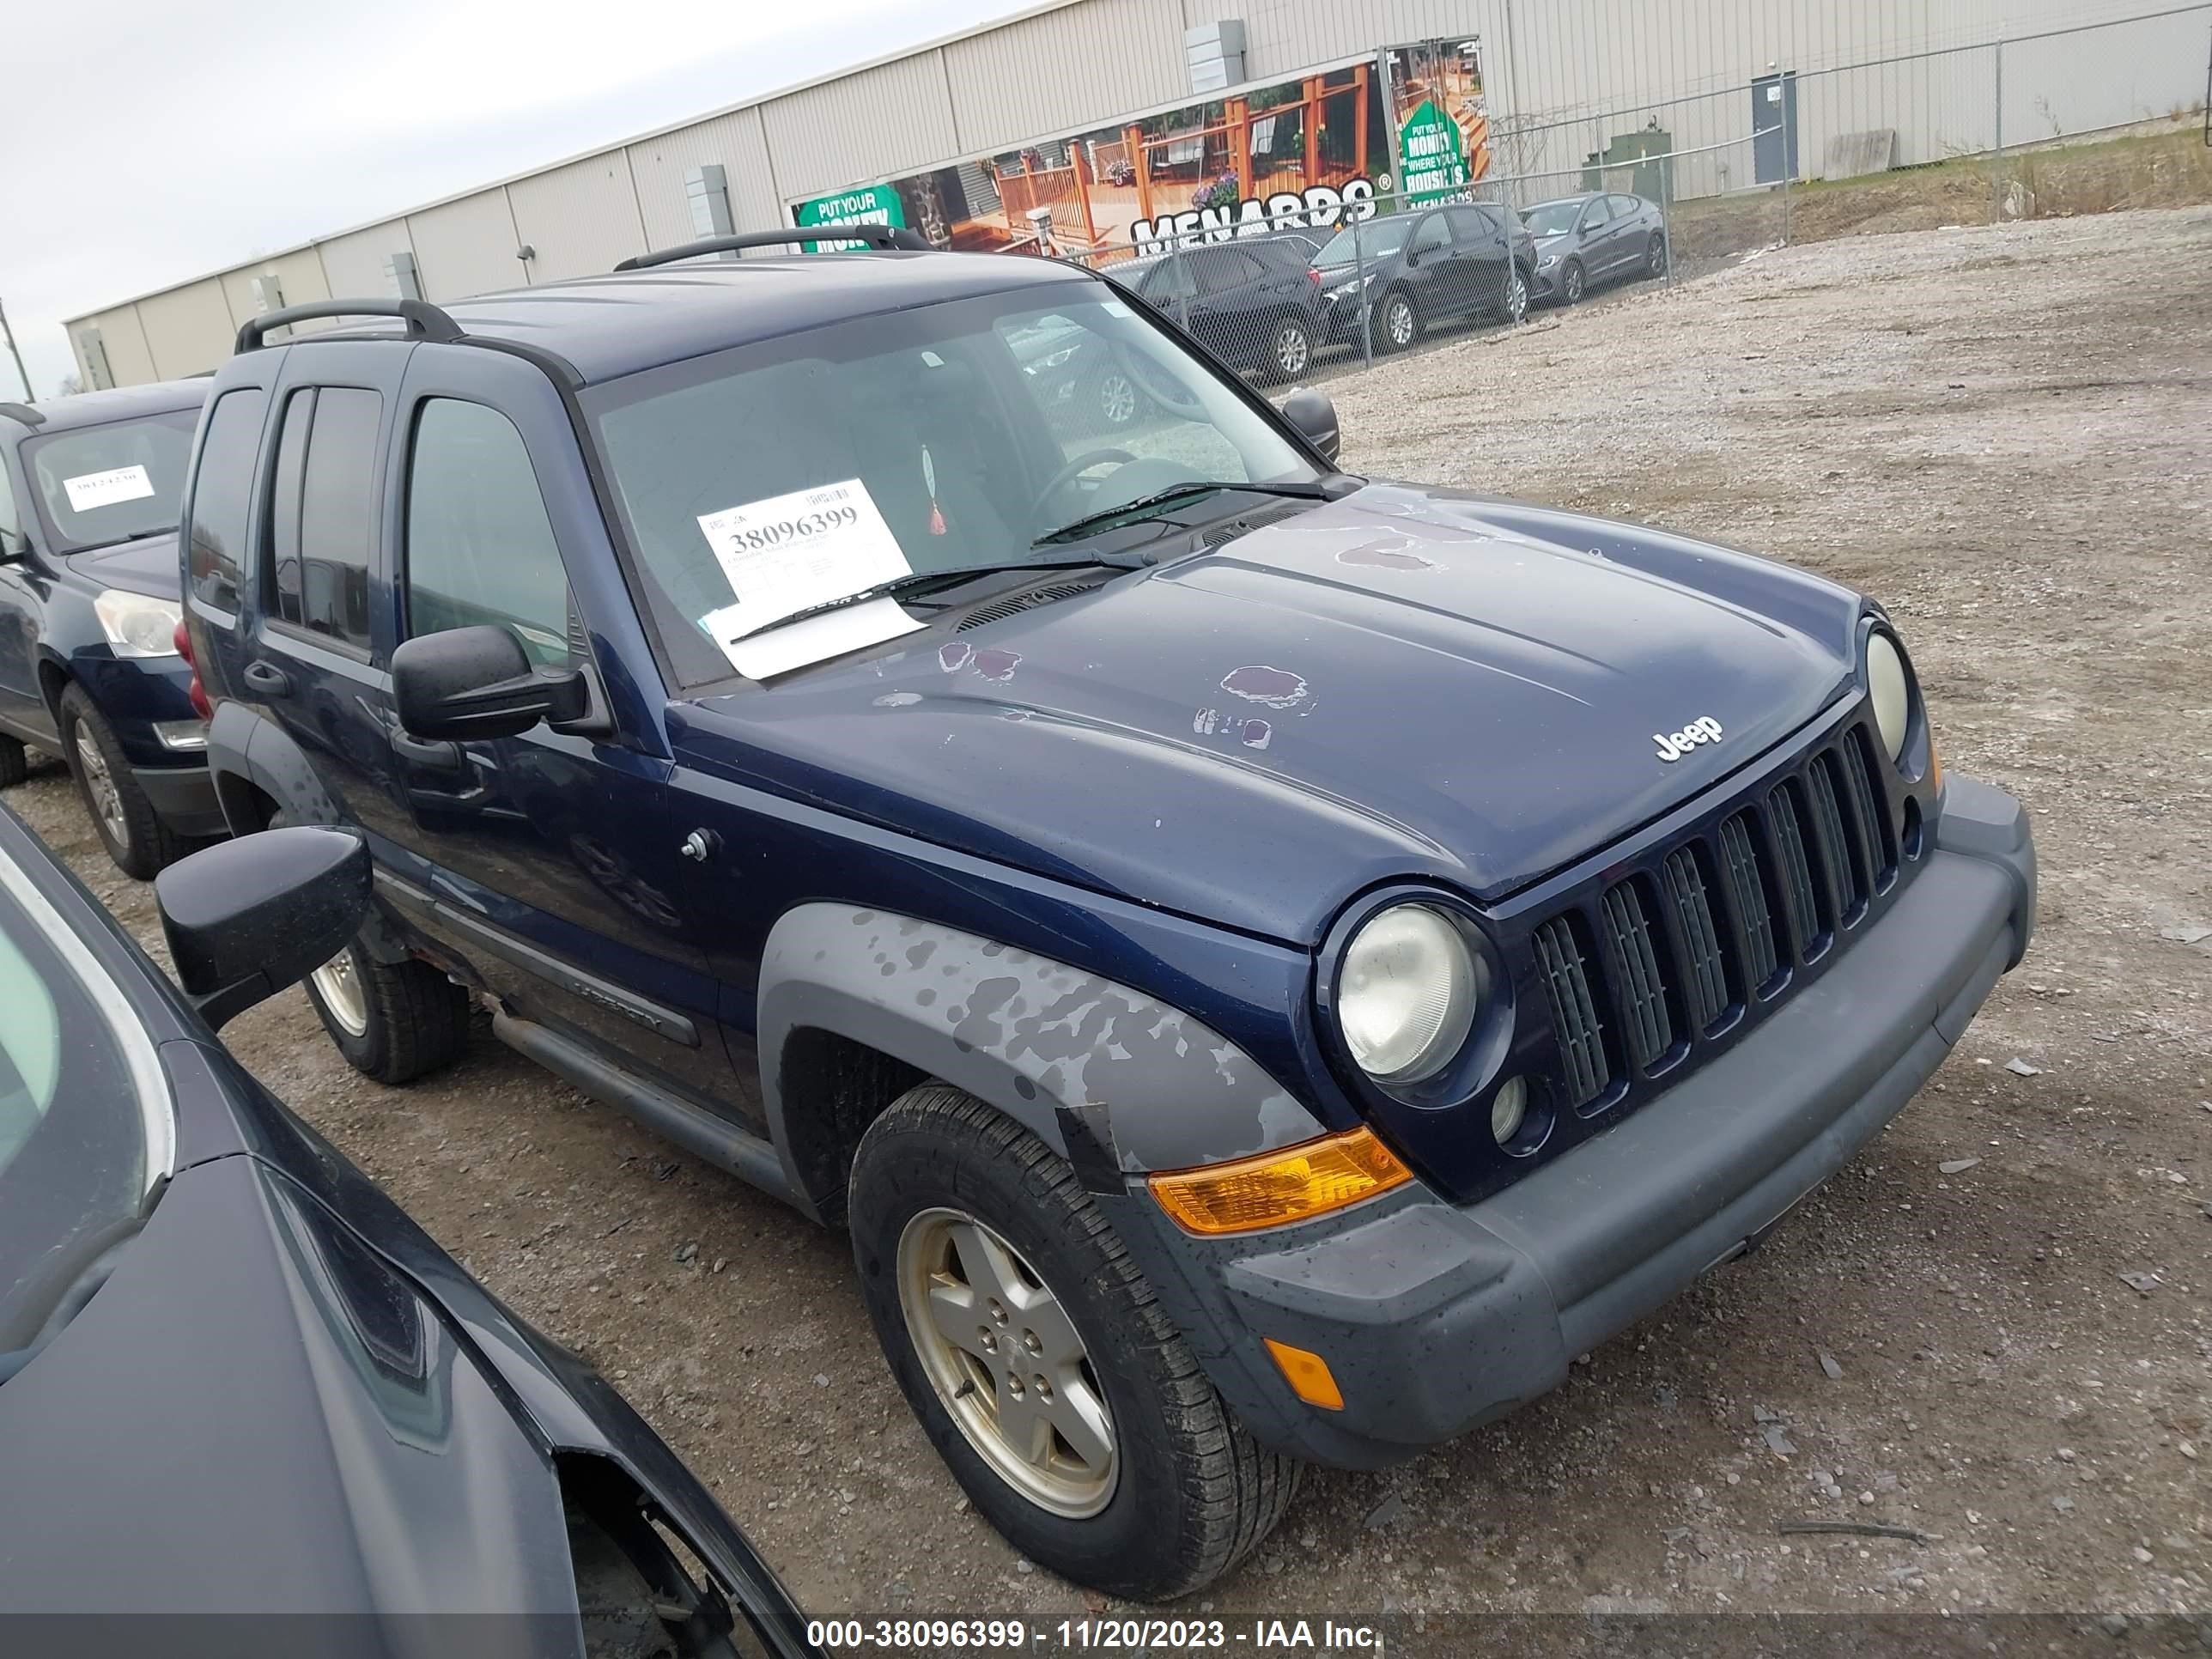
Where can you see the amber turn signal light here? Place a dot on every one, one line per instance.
(1292, 1184)
(1307, 1374)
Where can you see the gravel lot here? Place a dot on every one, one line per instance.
(2006, 432)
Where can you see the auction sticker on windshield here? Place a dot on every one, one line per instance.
(123, 483)
(789, 552)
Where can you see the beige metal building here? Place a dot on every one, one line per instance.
(1094, 108)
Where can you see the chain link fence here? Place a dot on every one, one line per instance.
(1574, 207)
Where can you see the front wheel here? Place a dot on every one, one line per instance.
(1401, 323)
(1572, 283)
(131, 830)
(1655, 256)
(1039, 1362)
(1115, 395)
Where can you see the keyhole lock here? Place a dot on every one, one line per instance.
(700, 845)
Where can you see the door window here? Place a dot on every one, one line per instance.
(480, 547)
(1170, 279)
(1595, 215)
(1475, 227)
(1221, 268)
(1623, 207)
(221, 488)
(328, 594)
(1433, 233)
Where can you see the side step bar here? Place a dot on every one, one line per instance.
(721, 1143)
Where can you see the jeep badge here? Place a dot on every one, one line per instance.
(1703, 729)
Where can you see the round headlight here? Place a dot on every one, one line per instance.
(1407, 994)
(1893, 694)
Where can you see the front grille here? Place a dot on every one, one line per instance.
(1574, 1014)
(1719, 922)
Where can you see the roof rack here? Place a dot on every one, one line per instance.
(424, 321)
(23, 412)
(888, 236)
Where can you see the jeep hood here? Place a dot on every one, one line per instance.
(1406, 683)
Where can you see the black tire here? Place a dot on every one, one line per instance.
(125, 821)
(413, 1019)
(1573, 284)
(1391, 334)
(1116, 400)
(1654, 257)
(14, 764)
(1289, 352)
(1194, 1493)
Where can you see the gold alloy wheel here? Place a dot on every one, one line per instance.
(342, 995)
(1006, 1363)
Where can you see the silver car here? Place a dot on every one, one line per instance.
(1584, 240)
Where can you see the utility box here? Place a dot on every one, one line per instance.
(405, 278)
(707, 193)
(1215, 53)
(1641, 163)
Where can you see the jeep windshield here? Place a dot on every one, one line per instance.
(98, 485)
(85, 1124)
(765, 483)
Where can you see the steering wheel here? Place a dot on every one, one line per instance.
(1068, 474)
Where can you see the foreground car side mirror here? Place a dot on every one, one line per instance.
(1315, 416)
(246, 918)
(471, 684)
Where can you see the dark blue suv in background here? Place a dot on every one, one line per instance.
(1222, 935)
(88, 663)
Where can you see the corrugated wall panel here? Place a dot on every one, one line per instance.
(187, 329)
(129, 361)
(580, 218)
(466, 246)
(661, 165)
(1083, 66)
(355, 262)
(877, 124)
(299, 280)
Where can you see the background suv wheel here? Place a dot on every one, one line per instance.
(133, 833)
(1063, 1400)
(1399, 324)
(1572, 283)
(1290, 350)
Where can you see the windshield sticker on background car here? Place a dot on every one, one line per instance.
(789, 553)
(122, 484)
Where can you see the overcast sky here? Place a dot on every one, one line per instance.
(149, 141)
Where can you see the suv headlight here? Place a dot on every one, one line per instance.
(136, 625)
(1891, 688)
(1407, 994)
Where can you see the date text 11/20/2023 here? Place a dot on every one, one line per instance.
(1094, 1635)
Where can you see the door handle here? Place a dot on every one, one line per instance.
(433, 757)
(268, 679)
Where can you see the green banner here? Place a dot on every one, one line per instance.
(1431, 164)
(871, 204)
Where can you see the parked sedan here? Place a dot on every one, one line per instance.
(236, 1379)
(1584, 240)
(1253, 301)
(1406, 270)
(88, 664)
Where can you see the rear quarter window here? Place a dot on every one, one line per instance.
(222, 488)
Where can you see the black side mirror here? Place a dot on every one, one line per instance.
(246, 918)
(1314, 418)
(475, 683)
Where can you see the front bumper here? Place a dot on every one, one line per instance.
(183, 798)
(1436, 1317)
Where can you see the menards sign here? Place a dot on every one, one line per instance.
(1317, 151)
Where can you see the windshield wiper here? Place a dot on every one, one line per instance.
(1301, 491)
(915, 578)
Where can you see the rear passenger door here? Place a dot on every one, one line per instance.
(1429, 269)
(1478, 248)
(549, 860)
(317, 604)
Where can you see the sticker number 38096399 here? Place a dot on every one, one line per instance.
(788, 553)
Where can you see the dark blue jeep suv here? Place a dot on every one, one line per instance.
(1267, 964)
(88, 664)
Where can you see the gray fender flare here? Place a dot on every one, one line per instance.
(248, 746)
(1113, 1080)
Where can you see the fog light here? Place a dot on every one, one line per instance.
(1508, 1109)
(181, 734)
